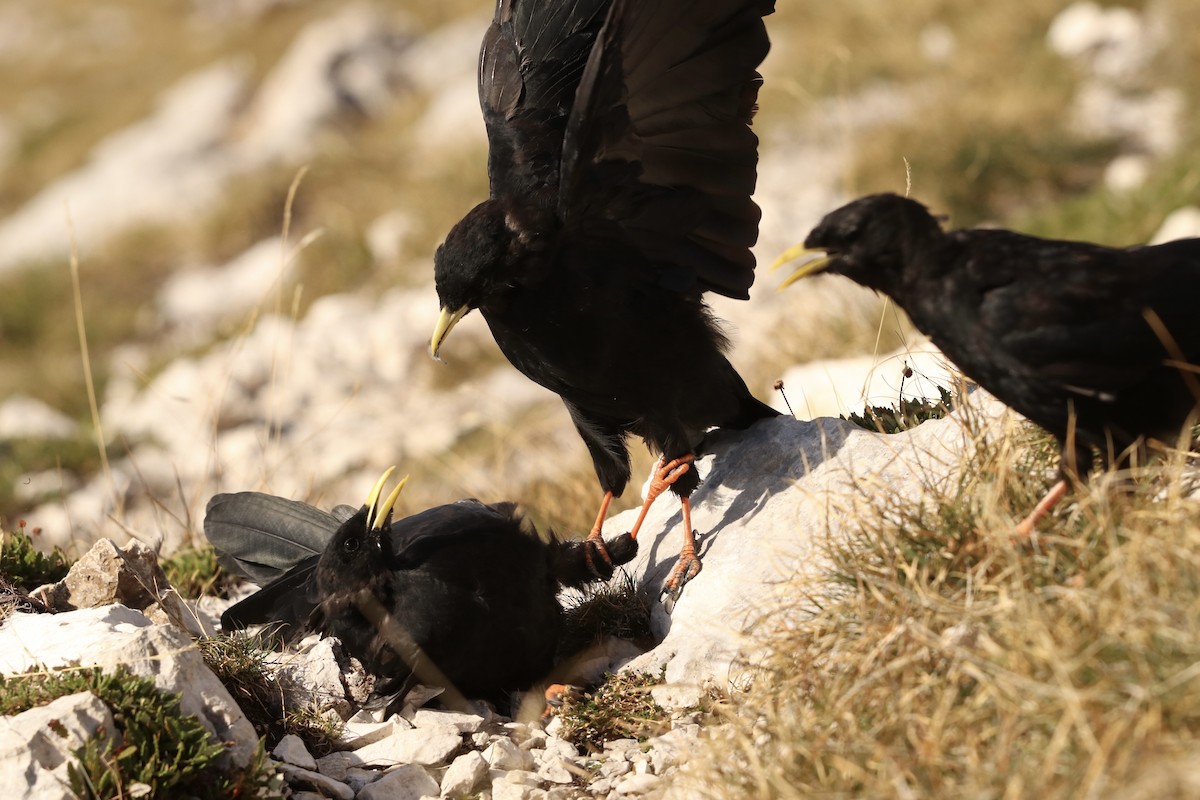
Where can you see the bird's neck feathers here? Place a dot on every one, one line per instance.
(495, 247)
(902, 263)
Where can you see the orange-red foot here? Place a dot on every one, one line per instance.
(1024, 529)
(666, 474)
(688, 565)
(556, 695)
(594, 548)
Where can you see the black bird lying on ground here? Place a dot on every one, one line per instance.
(462, 596)
(621, 166)
(1095, 344)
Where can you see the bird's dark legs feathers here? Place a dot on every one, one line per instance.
(1057, 492)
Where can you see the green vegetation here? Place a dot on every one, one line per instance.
(158, 751)
(25, 565)
(620, 708)
(910, 413)
(194, 572)
(614, 609)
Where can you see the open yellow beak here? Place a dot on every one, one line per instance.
(446, 321)
(377, 512)
(805, 269)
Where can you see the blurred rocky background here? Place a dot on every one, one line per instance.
(217, 219)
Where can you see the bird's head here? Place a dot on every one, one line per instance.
(473, 267)
(869, 240)
(357, 541)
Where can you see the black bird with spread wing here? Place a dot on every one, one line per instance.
(1098, 345)
(463, 596)
(621, 166)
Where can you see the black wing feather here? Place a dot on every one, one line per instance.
(660, 131)
(260, 536)
(412, 539)
(288, 601)
(529, 67)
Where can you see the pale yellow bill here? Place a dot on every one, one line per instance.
(446, 321)
(373, 497)
(385, 508)
(805, 269)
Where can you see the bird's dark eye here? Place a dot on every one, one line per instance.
(351, 545)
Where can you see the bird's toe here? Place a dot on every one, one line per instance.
(687, 568)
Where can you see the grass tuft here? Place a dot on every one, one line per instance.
(615, 609)
(240, 664)
(620, 708)
(194, 572)
(951, 661)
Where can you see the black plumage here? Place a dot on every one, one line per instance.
(463, 595)
(621, 165)
(1092, 343)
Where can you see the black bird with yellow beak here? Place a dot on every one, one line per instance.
(1098, 345)
(462, 596)
(621, 167)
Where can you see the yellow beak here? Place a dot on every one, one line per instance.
(377, 513)
(805, 269)
(446, 321)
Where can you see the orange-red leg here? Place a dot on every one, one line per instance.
(1056, 493)
(598, 528)
(689, 564)
(664, 476)
(596, 539)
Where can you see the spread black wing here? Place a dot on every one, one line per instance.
(529, 68)
(260, 536)
(659, 139)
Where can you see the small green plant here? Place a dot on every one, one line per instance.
(158, 751)
(25, 565)
(620, 708)
(908, 415)
(194, 572)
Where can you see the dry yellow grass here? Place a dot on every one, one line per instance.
(953, 663)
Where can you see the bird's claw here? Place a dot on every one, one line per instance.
(687, 568)
(595, 554)
(667, 473)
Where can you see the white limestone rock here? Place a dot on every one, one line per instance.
(429, 717)
(25, 417)
(325, 785)
(409, 782)
(465, 775)
(163, 168)
(771, 498)
(291, 750)
(1182, 223)
(425, 747)
(115, 635)
(37, 745)
(505, 754)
